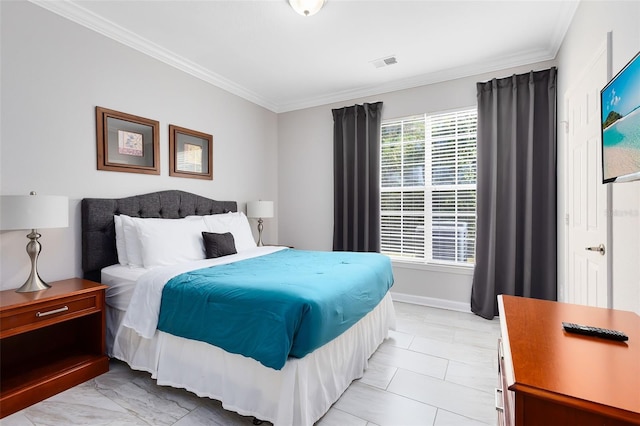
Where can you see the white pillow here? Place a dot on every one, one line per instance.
(236, 223)
(170, 241)
(121, 247)
(131, 242)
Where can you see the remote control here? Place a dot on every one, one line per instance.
(587, 330)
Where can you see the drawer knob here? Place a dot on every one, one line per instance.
(499, 405)
(55, 311)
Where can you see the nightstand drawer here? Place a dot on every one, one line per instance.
(39, 314)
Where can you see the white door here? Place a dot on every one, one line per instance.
(587, 204)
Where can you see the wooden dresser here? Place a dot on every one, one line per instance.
(50, 341)
(550, 377)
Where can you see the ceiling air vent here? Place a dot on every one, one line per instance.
(383, 62)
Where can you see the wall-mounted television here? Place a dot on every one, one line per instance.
(620, 127)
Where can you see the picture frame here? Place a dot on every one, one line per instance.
(190, 153)
(127, 143)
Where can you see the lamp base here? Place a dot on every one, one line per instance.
(260, 226)
(34, 282)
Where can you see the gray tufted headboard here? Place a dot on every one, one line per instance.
(98, 229)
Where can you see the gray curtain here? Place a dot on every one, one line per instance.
(356, 167)
(516, 190)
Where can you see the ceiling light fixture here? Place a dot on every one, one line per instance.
(307, 7)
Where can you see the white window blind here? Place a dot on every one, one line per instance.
(428, 187)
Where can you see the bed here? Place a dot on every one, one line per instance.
(296, 390)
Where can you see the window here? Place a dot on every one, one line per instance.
(428, 188)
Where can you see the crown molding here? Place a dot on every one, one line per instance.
(503, 63)
(564, 19)
(90, 20)
(78, 14)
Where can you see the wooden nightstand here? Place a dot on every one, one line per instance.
(50, 341)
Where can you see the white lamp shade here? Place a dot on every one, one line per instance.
(260, 209)
(33, 212)
(307, 7)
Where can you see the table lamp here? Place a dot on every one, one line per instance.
(260, 210)
(33, 212)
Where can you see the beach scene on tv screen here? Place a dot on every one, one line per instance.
(621, 123)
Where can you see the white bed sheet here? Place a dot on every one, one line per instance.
(121, 280)
(298, 394)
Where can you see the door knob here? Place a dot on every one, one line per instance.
(599, 249)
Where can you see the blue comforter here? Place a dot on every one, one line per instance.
(286, 303)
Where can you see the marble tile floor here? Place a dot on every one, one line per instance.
(438, 368)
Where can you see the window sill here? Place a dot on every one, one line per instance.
(434, 267)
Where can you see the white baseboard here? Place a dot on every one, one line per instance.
(432, 302)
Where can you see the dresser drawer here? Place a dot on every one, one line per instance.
(36, 315)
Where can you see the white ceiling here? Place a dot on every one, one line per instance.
(264, 52)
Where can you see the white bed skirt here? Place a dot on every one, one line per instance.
(299, 394)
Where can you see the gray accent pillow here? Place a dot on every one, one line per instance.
(217, 245)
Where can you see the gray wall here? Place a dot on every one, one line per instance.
(54, 73)
(587, 33)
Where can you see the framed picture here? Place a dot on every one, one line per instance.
(190, 153)
(127, 143)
